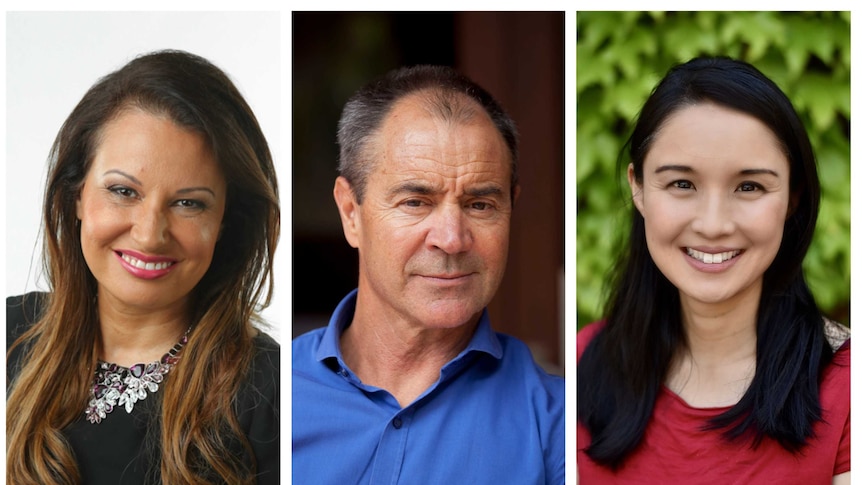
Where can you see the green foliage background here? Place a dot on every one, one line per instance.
(621, 56)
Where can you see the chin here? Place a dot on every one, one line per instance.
(143, 299)
(710, 298)
(451, 314)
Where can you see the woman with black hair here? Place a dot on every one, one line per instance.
(714, 364)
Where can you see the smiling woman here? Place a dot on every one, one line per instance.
(153, 201)
(160, 220)
(714, 361)
(714, 192)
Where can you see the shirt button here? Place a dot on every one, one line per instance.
(342, 372)
(397, 423)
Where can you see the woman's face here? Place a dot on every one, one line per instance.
(151, 209)
(714, 197)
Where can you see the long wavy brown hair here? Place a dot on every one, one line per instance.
(198, 428)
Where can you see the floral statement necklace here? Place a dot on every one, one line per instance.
(115, 385)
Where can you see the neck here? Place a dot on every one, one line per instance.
(403, 359)
(718, 361)
(130, 337)
(719, 332)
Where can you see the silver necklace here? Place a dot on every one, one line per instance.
(115, 385)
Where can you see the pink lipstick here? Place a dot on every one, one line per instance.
(143, 266)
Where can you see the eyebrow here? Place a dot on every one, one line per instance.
(687, 169)
(484, 191)
(411, 188)
(196, 189)
(124, 174)
(181, 191)
(757, 171)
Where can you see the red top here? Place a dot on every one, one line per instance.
(675, 449)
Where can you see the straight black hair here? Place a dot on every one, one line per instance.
(623, 368)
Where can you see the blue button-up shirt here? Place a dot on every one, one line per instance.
(493, 417)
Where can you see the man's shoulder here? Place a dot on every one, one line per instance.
(544, 395)
(304, 347)
(518, 357)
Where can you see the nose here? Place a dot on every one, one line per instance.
(449, 231)
(714, 217)
(150, 226)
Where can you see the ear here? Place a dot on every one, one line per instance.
(637, 190)
(516, 191)
(348, 209)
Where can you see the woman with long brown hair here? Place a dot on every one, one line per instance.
(144, 364)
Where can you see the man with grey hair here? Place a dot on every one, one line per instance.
(408, 383)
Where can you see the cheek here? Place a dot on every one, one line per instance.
(208, 236)
(766, 224)
(203, 237)
(208, 231)
(665, 219)
(491, 244)
(393, 234)
(97, 223)
(399, 251)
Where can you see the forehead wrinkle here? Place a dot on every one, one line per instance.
(443, 157)
(435, 173)
(439, 155)
(432, 183)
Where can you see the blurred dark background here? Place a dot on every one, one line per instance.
(519, 58)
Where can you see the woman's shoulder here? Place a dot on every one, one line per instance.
(258, 411)
(586, 335)
(837, 374)
(22, 311)
(265, 365)
(26, 307)
(837, 334)
(263, 342)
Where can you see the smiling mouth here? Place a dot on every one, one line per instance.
(137, 263)
(710, 258)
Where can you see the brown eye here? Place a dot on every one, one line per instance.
(190, 204)
(749, 187)
(122, 191)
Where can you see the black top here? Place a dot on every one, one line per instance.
(114, 451)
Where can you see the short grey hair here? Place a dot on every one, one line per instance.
(443, 89)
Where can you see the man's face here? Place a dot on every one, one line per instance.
(433, 228)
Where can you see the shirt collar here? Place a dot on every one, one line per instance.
(484, 338)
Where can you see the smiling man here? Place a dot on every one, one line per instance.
(408, 383)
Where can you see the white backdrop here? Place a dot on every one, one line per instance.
(52, 58)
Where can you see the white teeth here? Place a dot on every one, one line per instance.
(711, 258)
(137, 263)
